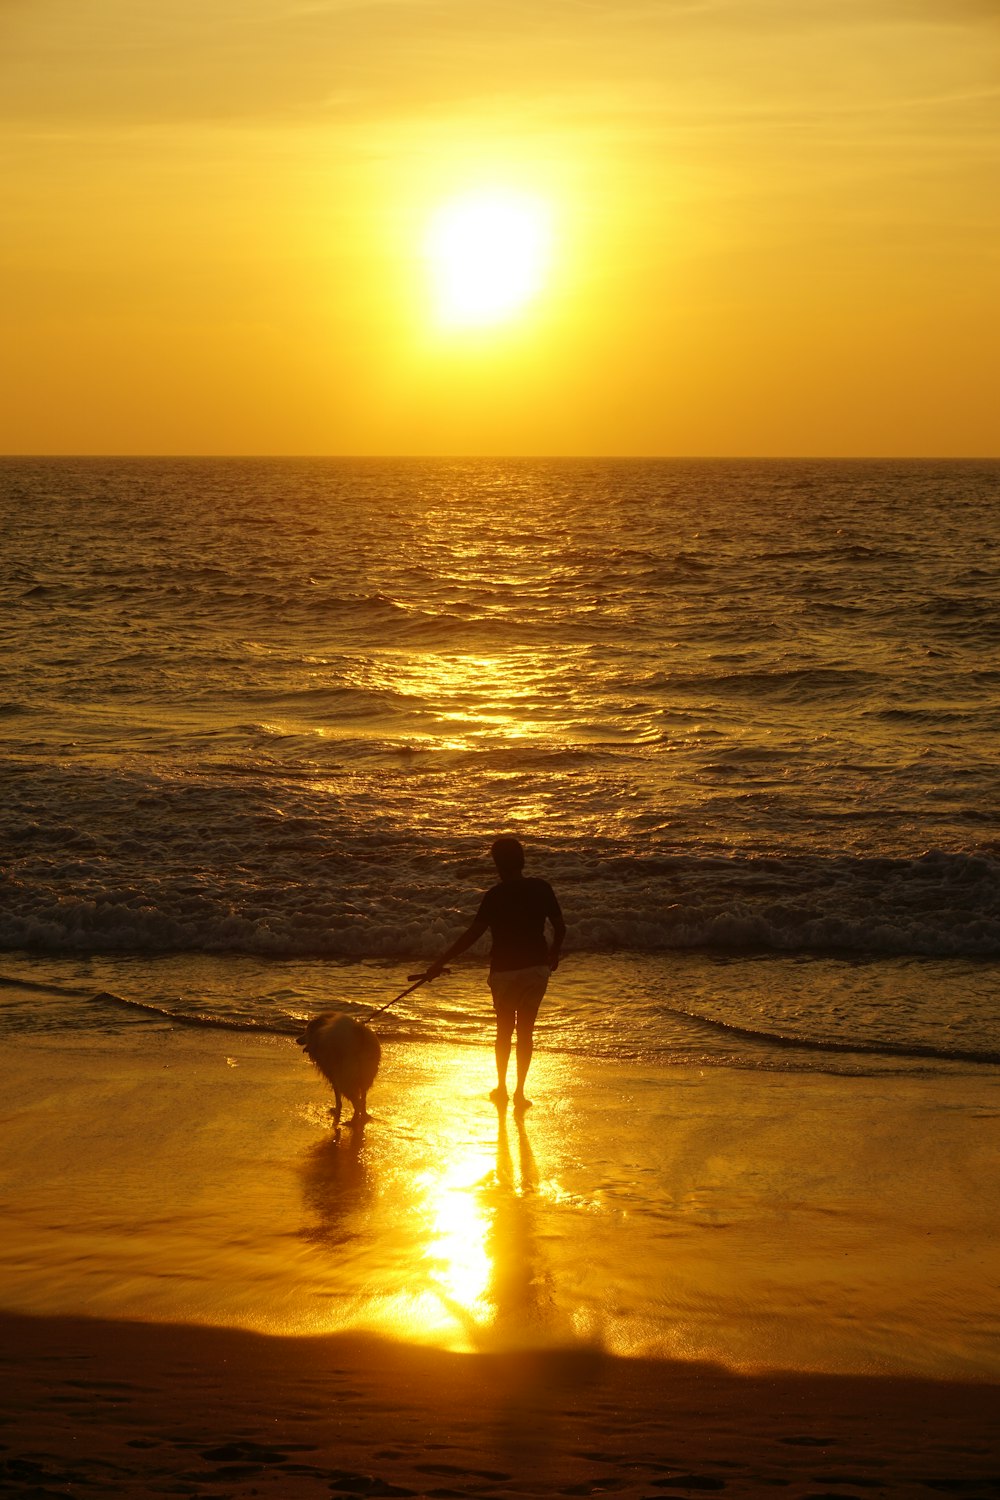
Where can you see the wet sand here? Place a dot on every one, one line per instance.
(754, 1221)
(659, 1282)
(107, 1409)
(828, 1224)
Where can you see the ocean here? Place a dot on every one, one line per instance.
(262, 719)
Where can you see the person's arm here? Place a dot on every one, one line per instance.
(558, 931)
(471, 935)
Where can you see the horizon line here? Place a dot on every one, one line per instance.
(541, 457)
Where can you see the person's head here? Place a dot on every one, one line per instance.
(508, 856)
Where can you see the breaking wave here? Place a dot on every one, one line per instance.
(366, 903)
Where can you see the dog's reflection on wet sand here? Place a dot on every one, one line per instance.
(336, 1186)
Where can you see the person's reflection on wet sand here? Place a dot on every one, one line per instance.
(336, 1185)
(544, 1365)
(518, 1292)
(520, 1285)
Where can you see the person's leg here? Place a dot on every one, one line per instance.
(505, 1033)
(526, 1016)
(525, 1047)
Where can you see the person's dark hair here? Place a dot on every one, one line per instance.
(508, 854)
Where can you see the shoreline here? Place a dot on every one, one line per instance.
(112, 1408)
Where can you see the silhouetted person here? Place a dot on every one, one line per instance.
(515, 911)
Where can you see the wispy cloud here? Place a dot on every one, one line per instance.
(285, 59)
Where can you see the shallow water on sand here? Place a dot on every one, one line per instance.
(761, 1220)
(815, 1014)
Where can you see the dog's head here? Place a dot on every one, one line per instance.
(310, 1031)
(315, 1025)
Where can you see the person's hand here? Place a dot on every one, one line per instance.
(435, 969)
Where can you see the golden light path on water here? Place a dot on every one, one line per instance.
(472, 696)
(477, 696)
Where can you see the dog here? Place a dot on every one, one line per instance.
(347, 1053)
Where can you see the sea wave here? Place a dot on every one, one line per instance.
(198, 1019)
(282, 708)
(866, 1047)
(304, 898)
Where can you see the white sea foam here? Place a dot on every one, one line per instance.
(306, 886)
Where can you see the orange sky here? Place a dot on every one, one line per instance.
(775, 225)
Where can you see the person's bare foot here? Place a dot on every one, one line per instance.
(499, 1095)
(520, 1102)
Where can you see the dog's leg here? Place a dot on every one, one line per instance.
(337, 1107)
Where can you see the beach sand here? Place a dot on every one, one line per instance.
(661, 1281)
(96, 1408)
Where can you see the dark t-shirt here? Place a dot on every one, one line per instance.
(515, 911)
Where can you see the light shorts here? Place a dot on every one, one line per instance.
(519, 991)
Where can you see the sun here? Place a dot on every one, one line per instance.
(488, 256)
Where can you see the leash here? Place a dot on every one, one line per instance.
(422, 979)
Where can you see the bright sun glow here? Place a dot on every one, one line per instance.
(489, 255)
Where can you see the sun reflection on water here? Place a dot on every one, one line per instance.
(506, 696)
(437, 1223)
(457, 1258)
